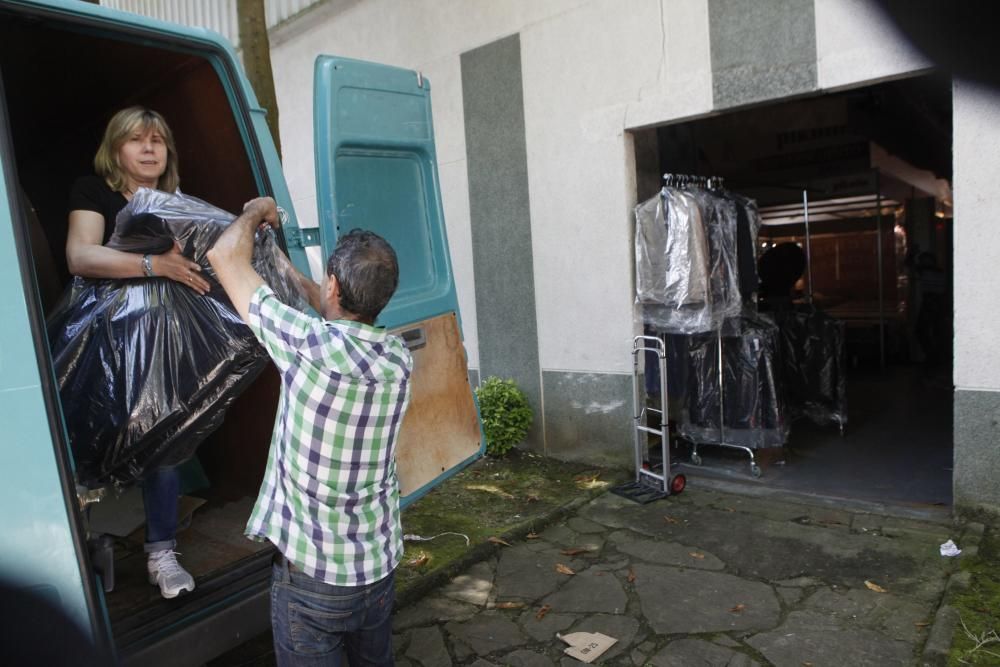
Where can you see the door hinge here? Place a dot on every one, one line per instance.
(298, 237)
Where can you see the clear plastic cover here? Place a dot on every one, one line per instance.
(687, 278)
(814, 365)
(754, 407)
(147, 367)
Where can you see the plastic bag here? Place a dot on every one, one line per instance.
(146, 367)
(754, 407)
(814, 365)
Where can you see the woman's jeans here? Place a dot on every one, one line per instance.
(160, 489)
(315, 623)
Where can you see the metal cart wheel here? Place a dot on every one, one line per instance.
(755, 470)
(695, 459)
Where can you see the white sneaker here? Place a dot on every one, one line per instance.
(167, 573)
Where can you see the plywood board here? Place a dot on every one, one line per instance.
(441, 426)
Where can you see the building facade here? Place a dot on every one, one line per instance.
(542, 115)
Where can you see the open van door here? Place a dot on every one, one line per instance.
(376, 169)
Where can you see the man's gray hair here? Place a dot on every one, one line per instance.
(365, 266)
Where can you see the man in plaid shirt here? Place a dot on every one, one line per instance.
(330, 497)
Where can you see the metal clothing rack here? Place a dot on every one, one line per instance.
(855, 206)
(711, 183)
(695, 457)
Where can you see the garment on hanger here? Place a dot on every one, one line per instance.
(754, 411)
(814, 364)
(686, 260)
(720, 221)
(672, 257)
(747, 233)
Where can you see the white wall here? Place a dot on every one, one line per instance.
(976, 243)
(426, 35)
(591, 69)
(585, 73)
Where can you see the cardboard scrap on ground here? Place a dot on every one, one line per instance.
(586, 646)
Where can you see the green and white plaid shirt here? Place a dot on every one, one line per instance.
(330, 497)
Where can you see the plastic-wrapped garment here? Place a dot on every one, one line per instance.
(686, 270)
(671, 258)
(747, 232)
(814, 365)
(754, 410)
(720, 221)
(147, 367)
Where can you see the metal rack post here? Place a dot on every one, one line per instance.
(809, 266)
(881, 291)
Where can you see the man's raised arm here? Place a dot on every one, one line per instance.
(231, 255)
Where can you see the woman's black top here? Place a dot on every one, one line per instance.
(91, 193)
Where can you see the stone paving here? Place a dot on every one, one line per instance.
(704, 578)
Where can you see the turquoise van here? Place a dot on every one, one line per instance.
(65, 67)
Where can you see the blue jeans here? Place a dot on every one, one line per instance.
(160, 489)
(315, 623)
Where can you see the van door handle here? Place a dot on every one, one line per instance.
(414, 338)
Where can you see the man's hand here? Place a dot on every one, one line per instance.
(263, 209)
(233, 251)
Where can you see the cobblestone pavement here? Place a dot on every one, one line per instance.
(704, 578)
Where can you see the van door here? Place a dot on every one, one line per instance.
(44, 556)
(376, 169)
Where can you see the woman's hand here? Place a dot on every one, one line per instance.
(174, 265)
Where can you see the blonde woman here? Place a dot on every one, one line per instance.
(137, 151)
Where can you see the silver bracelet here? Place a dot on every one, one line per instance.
(282, 216)
(147, 266)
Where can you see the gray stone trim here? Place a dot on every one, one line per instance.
(977, 451)
(761, 50)
(502, 254)
(589, 417)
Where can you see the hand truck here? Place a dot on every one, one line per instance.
(652, 481)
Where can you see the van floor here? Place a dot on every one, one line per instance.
(212, 541)
(897, 447)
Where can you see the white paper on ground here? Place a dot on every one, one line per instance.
(949, 548)
(586, 646)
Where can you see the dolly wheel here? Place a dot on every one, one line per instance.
(677, 484)
(755, 470)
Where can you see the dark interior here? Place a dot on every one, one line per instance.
(898, 442)
(61, 86)
(61, 89)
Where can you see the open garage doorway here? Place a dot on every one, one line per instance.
(872, 167)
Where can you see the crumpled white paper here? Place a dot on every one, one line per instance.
(949, 548)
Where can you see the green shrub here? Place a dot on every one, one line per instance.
(506, 414)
